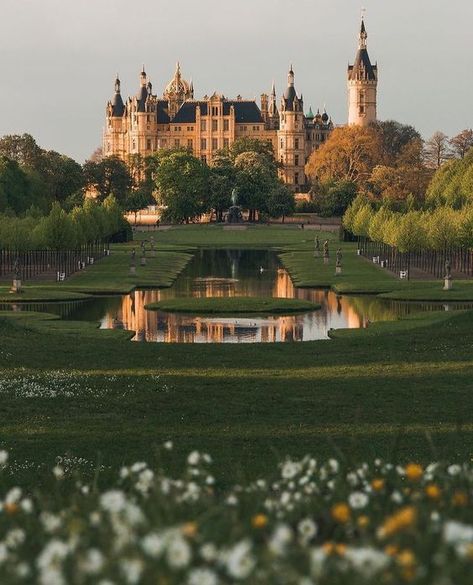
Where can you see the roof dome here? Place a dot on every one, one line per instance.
(178, 85)
(325, 117)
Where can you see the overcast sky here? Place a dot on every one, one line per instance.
(59, 58)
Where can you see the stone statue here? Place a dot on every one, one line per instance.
(326, 250)
(339, 257)
(448, 268)
(317, 244)
(133, 255)
(16, 268)
(234, 197)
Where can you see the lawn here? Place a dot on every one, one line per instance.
(399, 390)
(234, 305)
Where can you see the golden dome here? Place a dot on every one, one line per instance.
(178, 85)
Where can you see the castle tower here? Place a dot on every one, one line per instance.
(177, 91)
(291, 136)
(113, 138)
(362, 85)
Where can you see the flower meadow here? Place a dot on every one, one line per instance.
(313, 523)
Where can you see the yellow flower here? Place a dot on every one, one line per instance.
(391, 550)
(399, 521)
(363, 521)
(407, 561)
(378, 484)
(414, 472)
(433, 492)
(460, 498)
(259, 521)
(334, 548)
(340, 513)
(11, 508)
(189, 529)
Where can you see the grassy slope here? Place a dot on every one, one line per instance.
(33, 294)
(247, 404)
(233, 305)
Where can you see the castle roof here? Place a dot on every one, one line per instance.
(362, 67)
(245, 112)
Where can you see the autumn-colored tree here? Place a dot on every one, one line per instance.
(437, 150)
(461, 143)
(349, 154)
(395, 137)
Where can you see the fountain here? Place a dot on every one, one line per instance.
(234, 213)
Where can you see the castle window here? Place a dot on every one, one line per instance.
(164, 142)
(134, 144)
(203, 144)
(226, 143)
(214, 125)
(109, 147)
(362, 110)
(226, 125)
(296, 178)
(296, 143)
(190, 143)
(282, 143)
(296, 160)
(177, 143)
(203, 158)
(214, 144)
(148, 144)
(203, 125)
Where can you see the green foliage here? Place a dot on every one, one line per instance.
(107, 176)
(15, 187)
(333, 197)
(280, 202)
(182, 186)
(452, 184)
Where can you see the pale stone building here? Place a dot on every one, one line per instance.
(146, 123)
(362, 85)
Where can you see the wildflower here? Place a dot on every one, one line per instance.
(290, 469)
(259, 521)
(58, 472)
(307, 529)
(280, 538)
(26, 505)
(240, 562)
(454, 469)
(15, 537)
(367, 560)
(194, 458)
(50, 521)
(460, 498)
(168, 445)
(13, 495)
(3, 458)
(457, 533)
(202, 577)
(433, 492)
(209, 552)
(378, 484)
(178, 553)
(113, 501)
(414, 472)
(93, 562)
(363, 521)
(131, 570)
(153, 545)
(340, 513)
(138, 466)
(399, 521)
(334, 549)
(189, 529)
(358, 500)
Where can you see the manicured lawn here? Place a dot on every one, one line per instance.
(233, 305)
(399, 390)
(31, 294)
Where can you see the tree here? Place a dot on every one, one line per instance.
(261, 147)
(333, 198)
(57, 230)
(255, 180)
(110, 175)
(22, 149)
(15, 188)
(280, 202)
(461, 143)
(349, 154)
(437, 150)
(222, 180)
(182, 186)
(63, 176)
(394, 137)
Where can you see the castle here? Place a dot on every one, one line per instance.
(146, 123)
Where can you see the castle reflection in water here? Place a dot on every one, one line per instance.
(336, 312)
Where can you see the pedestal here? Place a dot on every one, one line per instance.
(448, 284)
(143, 261)
(132, 269)
(16, 286)
(153, 253)
(338, 270)
(358, 252)
(326, 260)
(316, 254)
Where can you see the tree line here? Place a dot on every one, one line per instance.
(387, 162)
(89, 223)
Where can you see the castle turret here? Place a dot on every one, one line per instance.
(362, 85)
(291, 136)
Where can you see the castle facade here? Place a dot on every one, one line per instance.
(146, 123)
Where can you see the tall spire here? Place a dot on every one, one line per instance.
(117, 84)
(143, 76)
(363, 35)
(290, 77)
(273, 89)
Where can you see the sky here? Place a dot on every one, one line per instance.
(59, 58)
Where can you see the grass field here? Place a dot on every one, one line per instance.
(399, 390)
(220, 305)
